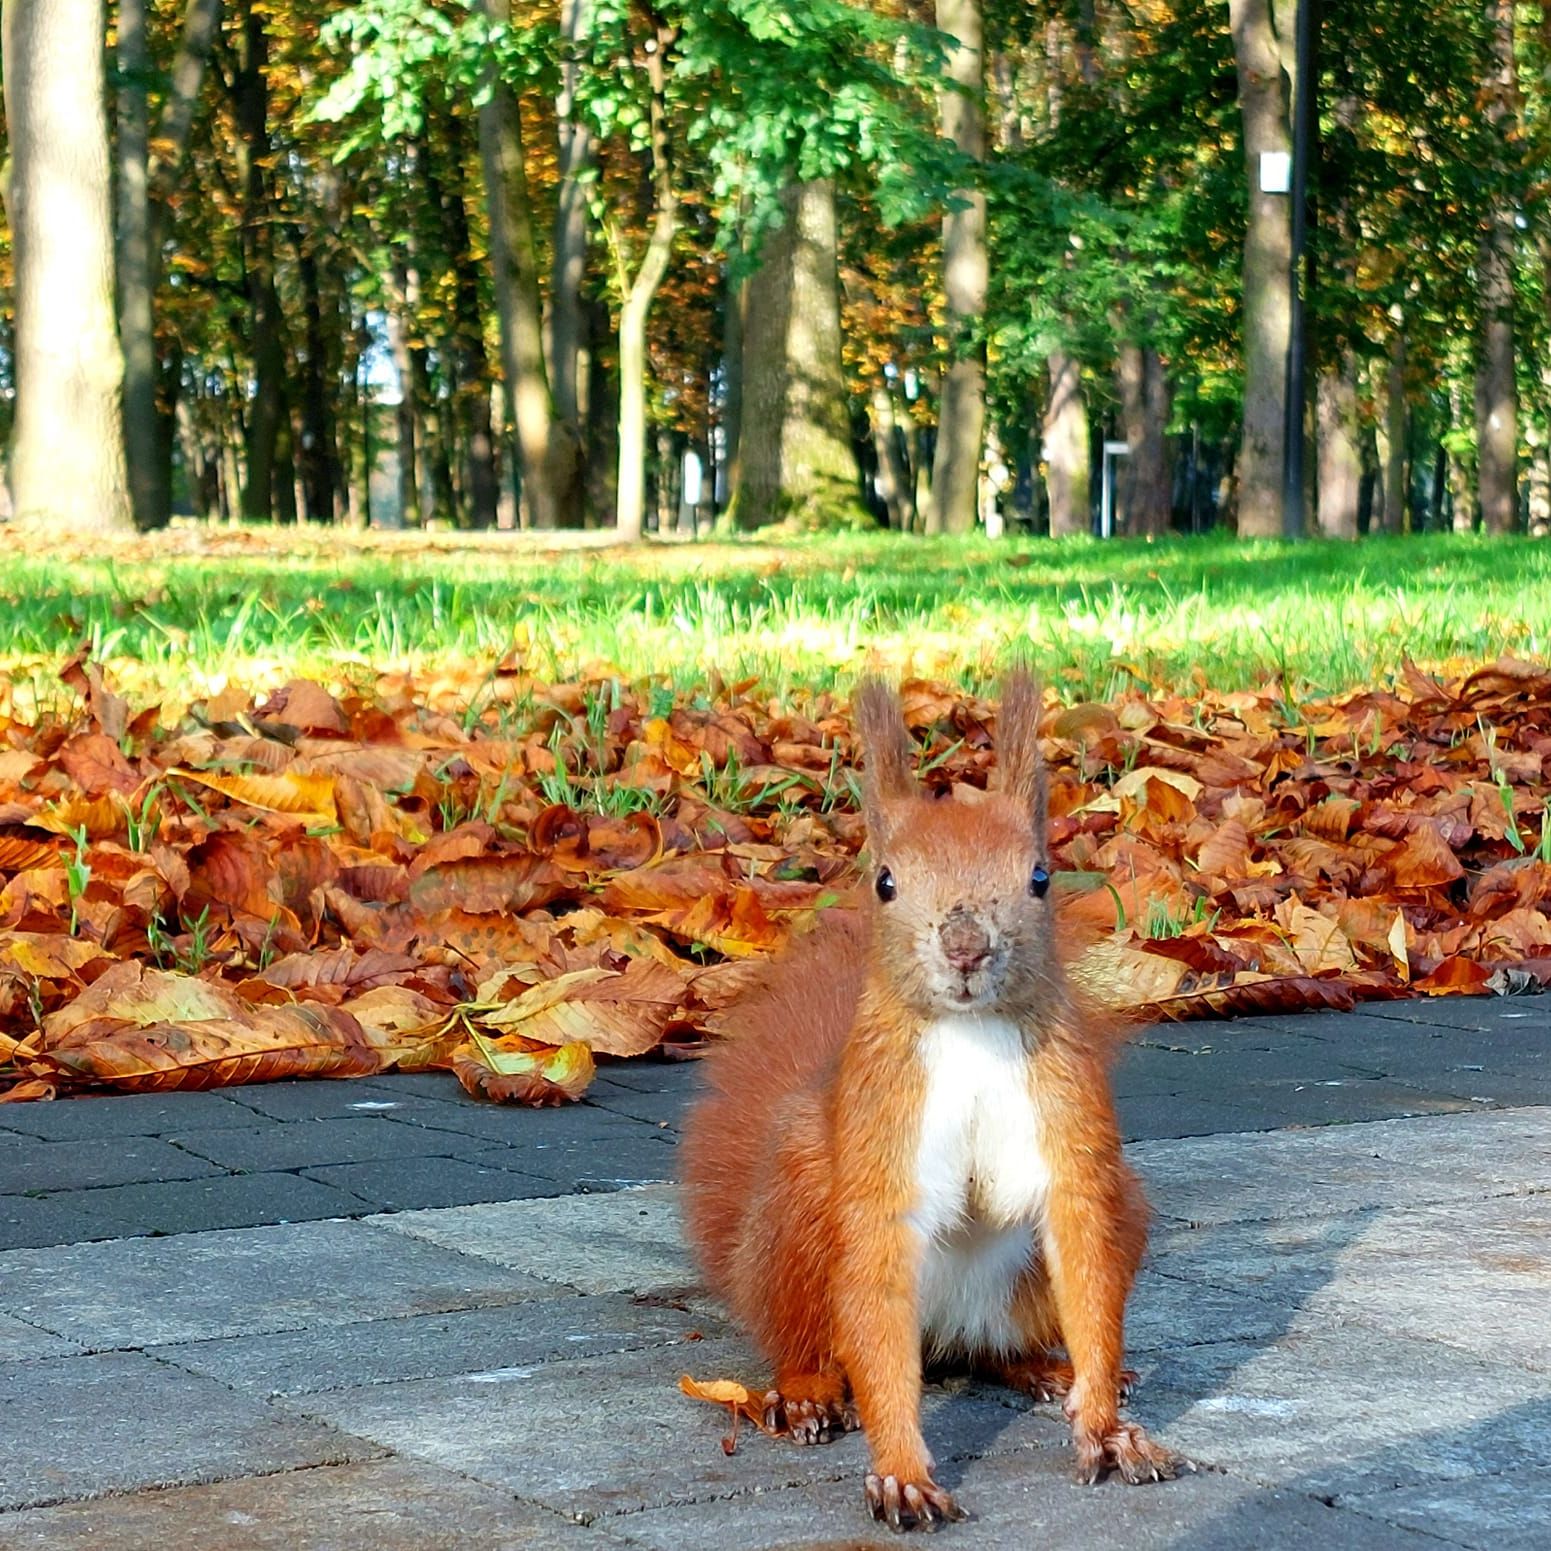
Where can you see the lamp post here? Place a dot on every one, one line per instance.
(1305, 38)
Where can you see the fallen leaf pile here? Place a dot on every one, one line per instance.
(333, 885)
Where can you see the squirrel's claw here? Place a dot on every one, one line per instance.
(906, 1505)
(1131, 1454)
(809, 1421)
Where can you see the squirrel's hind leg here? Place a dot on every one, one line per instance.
(1033, 1367)
(811, 1407)
(784, 1267)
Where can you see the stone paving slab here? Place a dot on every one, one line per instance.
(665, 1108)
(1347, 1409)
(310, 1143)
(1454, 1012)
(1317, 1172)
(1155, 1117)
(542, 1129)
(438, 1345)
(28, 1165)
(117, 1421)
(1029, 1500)
(407, 1183)
(1171, 1059)
(26, 1222)
(1474, 1274)
(123, 1114)
(191, 1287)
(1167, 1311)
(221, 1201)
(1508, 1512)
(631, 1241)
(585, 1168)
(383, 1505)
(20, 1340)
(1348, 1100)
(337, 1098)
(613, 1435)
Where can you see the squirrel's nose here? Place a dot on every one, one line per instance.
(965, 943)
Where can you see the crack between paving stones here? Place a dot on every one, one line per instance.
(1414, 1204)
(292, 1397)
(1334, 1501)
(374, 1453)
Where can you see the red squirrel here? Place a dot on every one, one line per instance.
(909, 1150)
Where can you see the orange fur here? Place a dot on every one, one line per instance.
(801, 1160)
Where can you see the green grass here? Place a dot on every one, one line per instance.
(187, 612)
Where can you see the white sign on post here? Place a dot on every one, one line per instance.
(1275, 172)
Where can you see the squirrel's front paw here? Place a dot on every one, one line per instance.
(906, 1505)
(1129, 1452)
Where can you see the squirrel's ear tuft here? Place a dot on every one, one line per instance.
(1020, 766)
(889, 771)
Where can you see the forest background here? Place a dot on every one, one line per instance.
(602, 263)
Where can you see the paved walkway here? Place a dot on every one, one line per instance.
(375, 1314)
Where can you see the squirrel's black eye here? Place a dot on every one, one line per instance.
(1039, 881)
(885, 885)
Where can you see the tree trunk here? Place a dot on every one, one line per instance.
(917, 448)
(578, 152)
(319, 461)
(1497, 402)
(407, 415)
(265, 494)
(601, 422)
(1340, 450)
(67, 449)
(795, 451)
(1147, 488)
(136, 273)
(1397, 516)
(961, 429)
(734, 297)
(550, 453)
(636, 307)
(1068, 473)
(893, 475)
(1264, 102)
(1462, 487)
(144, 186)
(474, 434)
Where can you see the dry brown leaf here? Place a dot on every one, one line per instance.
(48, 955)
(514, 1072)
(742, 1402)
(307, 796)
(615, 1013)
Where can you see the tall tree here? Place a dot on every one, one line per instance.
(1265, 104)
(638, 290)
(1067, 455)
(549, 450)
(145, 184)
(67, 458)
(961, 426)
(1146, 498)
(269, 489)
(576, 166)
(795, 456)
(1496, 396)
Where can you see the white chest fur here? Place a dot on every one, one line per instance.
(981, 1182)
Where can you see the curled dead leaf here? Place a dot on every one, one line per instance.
(514, 1071)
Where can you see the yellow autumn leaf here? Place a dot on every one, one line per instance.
(307, 796)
